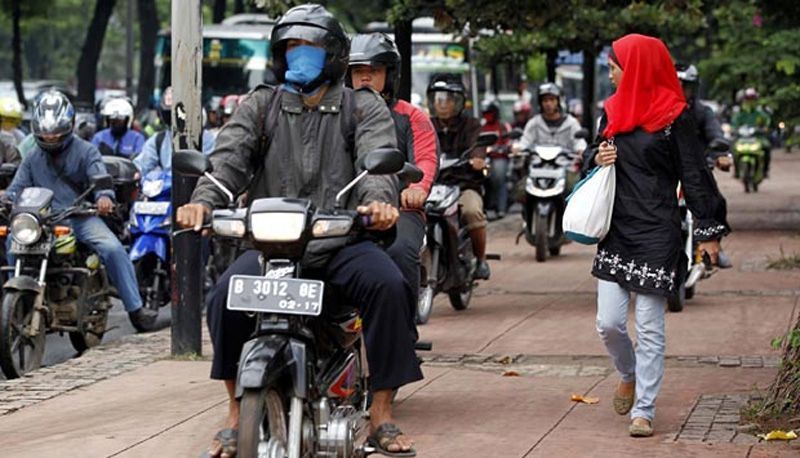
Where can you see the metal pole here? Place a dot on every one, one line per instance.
(186, 268)
(129, 51)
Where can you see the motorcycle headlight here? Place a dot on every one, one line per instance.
(25, 229)
(152, 188)
(277, 226)
(331, 227)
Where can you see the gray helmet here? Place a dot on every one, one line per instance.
(687, 73)
(548, 89)
(315, 24)
(377, 49)
(54, 118)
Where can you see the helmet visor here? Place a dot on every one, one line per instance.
(312, 34)
(446, 104)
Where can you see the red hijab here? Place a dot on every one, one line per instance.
(649, 95)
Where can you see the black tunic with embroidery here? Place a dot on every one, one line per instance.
(643, 251)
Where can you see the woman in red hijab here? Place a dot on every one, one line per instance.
(650, 137)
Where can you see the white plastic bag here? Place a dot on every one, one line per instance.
(587, 217)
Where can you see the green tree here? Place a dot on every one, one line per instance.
(18, 10)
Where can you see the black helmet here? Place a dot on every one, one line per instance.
(54, 118)
(315, 24)
(549, 89)
(377, 49)
(446, 85)
(490, 106)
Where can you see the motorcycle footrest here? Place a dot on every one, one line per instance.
(493, 256)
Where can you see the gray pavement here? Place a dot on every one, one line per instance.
(499, 380)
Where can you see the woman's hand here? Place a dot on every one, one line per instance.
(711, 248)
(606, 154)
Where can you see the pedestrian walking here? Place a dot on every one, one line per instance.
(649, 134)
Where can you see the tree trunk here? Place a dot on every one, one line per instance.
(219, 11)
(148, 34)
(402, 38)
(90, 52)
(16, 45)
(551, 55)
(587, 88)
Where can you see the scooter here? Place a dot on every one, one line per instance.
(749, 157)
(447, 261)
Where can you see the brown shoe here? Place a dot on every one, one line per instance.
(643, 428)
(623, 404)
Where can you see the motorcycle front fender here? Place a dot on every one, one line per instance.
(266, 359)
(544, 207)
(23, 283)
(149, 243)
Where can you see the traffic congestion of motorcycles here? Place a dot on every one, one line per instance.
(54, 283)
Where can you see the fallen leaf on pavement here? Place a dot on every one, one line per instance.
(585, 399)
(505, 360)
(778, 435)
(510, 374)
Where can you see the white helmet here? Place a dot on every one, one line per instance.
(118, 108)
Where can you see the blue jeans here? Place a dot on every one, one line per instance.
(498, 192)
(645, 364)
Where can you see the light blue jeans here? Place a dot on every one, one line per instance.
(645, 364)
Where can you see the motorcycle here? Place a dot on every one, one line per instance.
(299, 358)
(749, 157)
(57, 284)
(126, 190)
(447, 261)
(150, 223)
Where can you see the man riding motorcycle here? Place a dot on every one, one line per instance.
(375, 63)
(752, 114)
(457, 133)
(157, 150)
(310, 55)
(118, 139)
(496, 190)
(708, 130)
(552, 127)
(64, 163)
(10, 120)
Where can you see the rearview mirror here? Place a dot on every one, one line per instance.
(582, 134)
(103, 181)
(410, 173)
(383, 161)
(486, 139)
(190, 162)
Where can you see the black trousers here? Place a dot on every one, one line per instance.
(405, 253)
(361, 274)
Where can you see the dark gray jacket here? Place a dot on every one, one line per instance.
(308, 155)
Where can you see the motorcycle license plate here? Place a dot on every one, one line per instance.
(293, 296)
(37, 248)
(151, 208)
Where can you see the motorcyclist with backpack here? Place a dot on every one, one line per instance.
(375, 63)
(157, 150)
(268, 144)
(118, 139)
(64, 163)
(457, 133)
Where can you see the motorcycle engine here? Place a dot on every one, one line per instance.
(338, 435)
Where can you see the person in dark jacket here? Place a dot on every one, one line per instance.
(457, 134)
(375, 63)
(650, 136)
(64, 163)
(310, 57)
(496, 190)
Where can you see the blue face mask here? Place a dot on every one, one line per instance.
(304, 64)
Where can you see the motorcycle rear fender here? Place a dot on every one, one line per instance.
(23, 283)
(149, 243)
(266, 359)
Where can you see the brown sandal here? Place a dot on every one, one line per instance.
(638, 430)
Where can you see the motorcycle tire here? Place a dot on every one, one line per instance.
(424, 304)
(689, 293)
(676, 301)
(460, 300)
(747, 176)
(262, 410)
(19, 355)
(93, 323)
(145, 273)
(540, 235)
